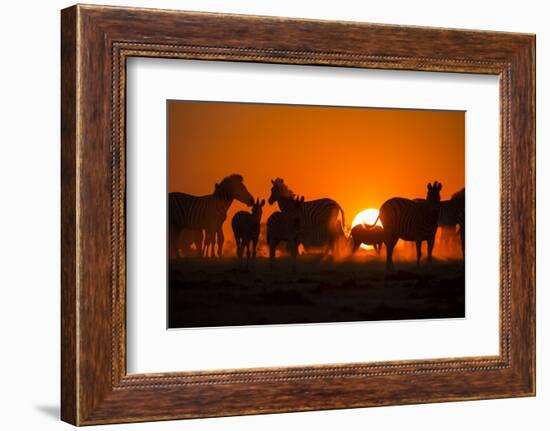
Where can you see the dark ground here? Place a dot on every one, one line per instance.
(213, 292)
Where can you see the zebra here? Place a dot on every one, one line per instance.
(447, 221)
(206, 212)
(459, 202)
(246, 228)
(410, 220)
(361, 234)
(451, 214)
(319, 217)
(285, 226)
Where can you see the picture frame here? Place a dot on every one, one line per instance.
(96, 42)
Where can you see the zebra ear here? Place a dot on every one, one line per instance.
(262, 203)
(429, 186)
(272, 182)
(439, 187)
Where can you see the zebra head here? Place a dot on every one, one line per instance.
(294, 213)
(257, 209)
(433, 192)
(232, 187)
(279, 191)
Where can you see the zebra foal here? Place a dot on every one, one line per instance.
(246, 228)
(367, 235)
(285, 226)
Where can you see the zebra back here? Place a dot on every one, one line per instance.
(411, 220)
(196, 212)
(318, 221)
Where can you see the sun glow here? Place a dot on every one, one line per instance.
(366, 217)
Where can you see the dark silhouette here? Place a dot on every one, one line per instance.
(246, 228)
(459, 201)
(447, 222)
(369, 235)
(206, 212)
(188, 238)
(286, 226)
(411, 220)
(320, 227)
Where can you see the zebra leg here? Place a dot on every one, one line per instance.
(200, 244)
(354, 245)
(463, 238)
(272, 250)
(294, 253)
(419, 252)
(247, 243)
(173, 234)
(334, 246)
(211, 239)
(239, 251)
(390, 244)
(254, 246)
(430, 248)
(220, 239)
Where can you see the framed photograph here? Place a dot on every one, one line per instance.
(265, 215)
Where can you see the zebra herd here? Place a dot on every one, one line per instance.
(312, 224)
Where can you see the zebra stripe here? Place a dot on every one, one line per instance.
(408, 220)
(411, 220)
(206, 212)
(197, 212)
(319, 218)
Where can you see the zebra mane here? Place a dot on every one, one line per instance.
(283, 189)
(232, 178)
(225, 187)
(228, 181)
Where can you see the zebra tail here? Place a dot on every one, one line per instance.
(343, 218)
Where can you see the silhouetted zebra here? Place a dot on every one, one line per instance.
(447, 221)
(410, 220)
(206, 212)
(369, 235)
(246, 228)
(451, 214)
(459, 202)
(285, 226)
(319, 217)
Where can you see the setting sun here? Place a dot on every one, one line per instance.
(366, 217)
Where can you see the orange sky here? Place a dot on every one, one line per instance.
(358, 156)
